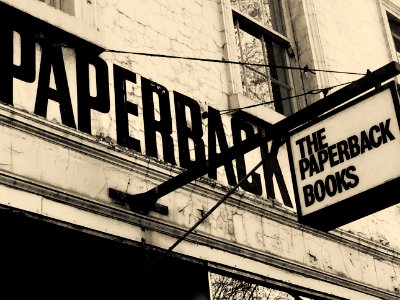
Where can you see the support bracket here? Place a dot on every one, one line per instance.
(147, 201)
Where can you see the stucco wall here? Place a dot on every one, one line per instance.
(255, 234)
(352, 36)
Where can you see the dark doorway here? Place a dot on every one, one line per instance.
(45, 260)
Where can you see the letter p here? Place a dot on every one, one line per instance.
(304, 165)
(25, 68)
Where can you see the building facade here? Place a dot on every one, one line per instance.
(116, 120)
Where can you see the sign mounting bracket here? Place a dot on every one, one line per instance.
(147, 201)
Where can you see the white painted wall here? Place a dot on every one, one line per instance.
(335, 35)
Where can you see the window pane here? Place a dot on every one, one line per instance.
(227, 288)
(280, 88)
(258, 87)
(67, 6)
(255, 79)
(262, 82)
(252, 8)
(395, 27)
(268, 14)
(54, 3)
(261, 10)
(250, 49)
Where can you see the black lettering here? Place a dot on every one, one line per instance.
(308, 193)
(312, 143)
(123, 107)
(332, 154)
(216, 131)
(319, 190)
(321, 137)
(330, 185)
(354, 148)
(238, 126)
(365, 144)
(313, 165)
(271, 167)
(300, 143)
(185, 132)
(151, 125)
(374, 142)
(343, 151)
(386, 134)
(353, 177)
(52, 58)
(304, 164)
(322, 158)
(87, 102)
(8, 70)
(340, 180)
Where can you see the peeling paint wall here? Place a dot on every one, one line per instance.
(163, 28)
(351, 40)
(360, 256)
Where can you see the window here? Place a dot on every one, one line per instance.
(227, 288)
(395, 29)
(82, 9)
(260, 40)
(64, 5)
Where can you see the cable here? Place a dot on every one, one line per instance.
(205, 216)
(316, 91)
(304, 69)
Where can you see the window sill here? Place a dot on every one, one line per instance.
(60, 19)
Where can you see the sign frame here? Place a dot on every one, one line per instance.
(361, 204)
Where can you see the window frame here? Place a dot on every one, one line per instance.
(390, 14)
(295, 291)
(74, 25)
(81, 9)
(68, 7)
(394, 25)
(257, 29)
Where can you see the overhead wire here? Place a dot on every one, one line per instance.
(314, 91)
(233, 189)
(205, 216)
(306, 68)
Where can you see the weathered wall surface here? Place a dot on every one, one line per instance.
(352, 39)
(256, 234)
(164, 28)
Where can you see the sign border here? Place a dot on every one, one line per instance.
(331, 217)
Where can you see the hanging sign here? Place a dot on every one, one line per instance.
(346, 164)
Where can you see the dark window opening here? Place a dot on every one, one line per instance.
(63, 5)
(395, 30)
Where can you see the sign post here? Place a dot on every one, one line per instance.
(346, 163)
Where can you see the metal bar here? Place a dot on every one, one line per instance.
(145, 201)
(279, 129)
(205, 216)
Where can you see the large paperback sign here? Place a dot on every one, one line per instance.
(346, 164)
(55, 75)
